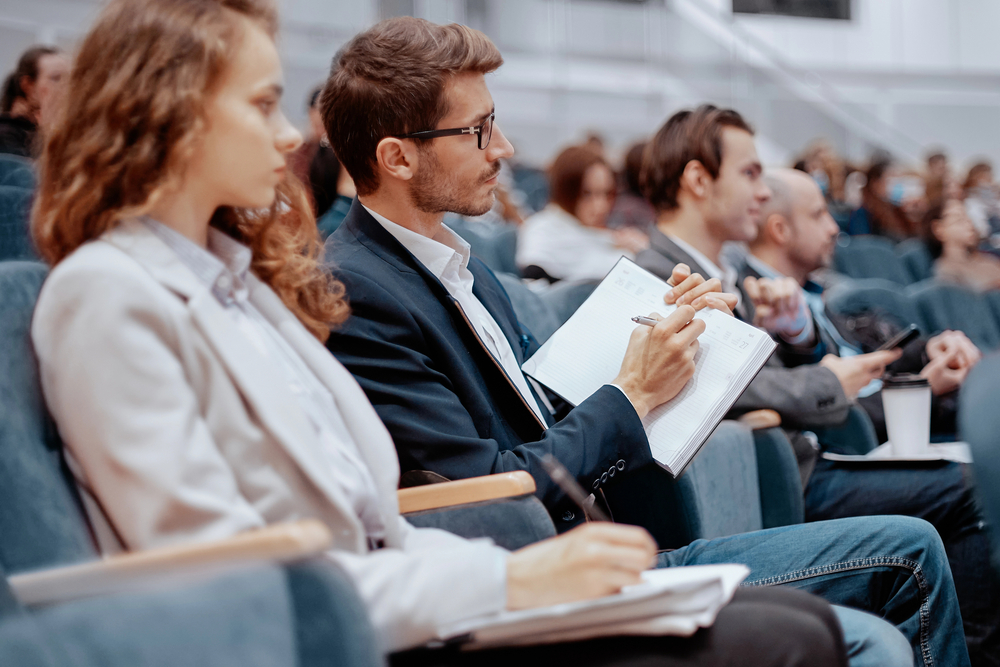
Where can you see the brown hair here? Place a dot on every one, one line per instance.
(687, 135)
(27, 66)
(389, 81)
(566, 175)
(134, 113)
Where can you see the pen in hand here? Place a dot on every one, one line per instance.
(571, 488)
(647, 321)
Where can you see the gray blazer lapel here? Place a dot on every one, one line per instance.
(257, 377)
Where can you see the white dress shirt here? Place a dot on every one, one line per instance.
(447, 257)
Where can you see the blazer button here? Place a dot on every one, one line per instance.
(604, 478)
(596, 484)
(621, 464)
(568, 516)
(611, 471)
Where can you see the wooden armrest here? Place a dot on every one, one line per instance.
(464, 491)
(760, 419)
(281, 542)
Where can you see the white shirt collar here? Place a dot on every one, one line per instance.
(434, 253)
(711, 268)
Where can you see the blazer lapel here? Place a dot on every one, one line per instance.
(372, 235)
(258, 378)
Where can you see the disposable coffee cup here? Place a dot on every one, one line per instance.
(906, 399)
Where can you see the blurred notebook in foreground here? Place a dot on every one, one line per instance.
(587, 351)
(672, 601)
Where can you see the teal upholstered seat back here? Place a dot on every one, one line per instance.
(41, 520)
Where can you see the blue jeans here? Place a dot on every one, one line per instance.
(939, 493)
(894, 567)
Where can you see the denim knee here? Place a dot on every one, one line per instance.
(871, 641)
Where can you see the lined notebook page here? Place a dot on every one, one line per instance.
(587, 351)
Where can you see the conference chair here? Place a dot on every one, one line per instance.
(869, 257)
(943, 306)
(916, 258)
(979, 425)
(303, 614)
(15, 211)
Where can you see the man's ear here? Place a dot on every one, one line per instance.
(696, 179)
(397, 158)
(777, 229)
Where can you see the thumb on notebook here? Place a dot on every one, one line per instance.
(590, 561)
(659, 360)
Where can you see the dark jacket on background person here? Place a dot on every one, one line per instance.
(17, 136)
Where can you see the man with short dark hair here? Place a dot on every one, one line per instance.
(434, 343)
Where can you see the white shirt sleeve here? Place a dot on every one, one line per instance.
(436, 579)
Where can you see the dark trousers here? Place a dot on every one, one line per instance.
(761, 627)
(940, 493)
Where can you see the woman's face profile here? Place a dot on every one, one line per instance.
(241, 156)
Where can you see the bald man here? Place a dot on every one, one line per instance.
(796, 236)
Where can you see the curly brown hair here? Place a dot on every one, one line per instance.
(133, 115)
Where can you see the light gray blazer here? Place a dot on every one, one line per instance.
(179, 430)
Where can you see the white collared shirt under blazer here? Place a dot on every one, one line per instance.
(179, 429)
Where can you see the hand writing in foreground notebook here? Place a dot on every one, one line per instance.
(659, 360)
(692, 289)
(590, 561)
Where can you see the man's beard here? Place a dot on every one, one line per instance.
(431, 191)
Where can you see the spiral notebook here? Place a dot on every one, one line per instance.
(586, 353)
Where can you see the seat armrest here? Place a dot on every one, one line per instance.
(760, 419)
(277, 543)
(465, 491)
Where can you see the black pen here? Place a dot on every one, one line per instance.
(571, 488)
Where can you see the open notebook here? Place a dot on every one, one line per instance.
(672, 601)
(587, 351)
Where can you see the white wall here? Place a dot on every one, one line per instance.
(927, 70)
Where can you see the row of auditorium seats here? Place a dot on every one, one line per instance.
(931, 305)
(864, 257)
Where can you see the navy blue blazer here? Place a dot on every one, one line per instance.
(448, 404)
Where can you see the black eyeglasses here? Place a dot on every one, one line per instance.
(484, 132)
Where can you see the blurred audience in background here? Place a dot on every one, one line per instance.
(30, 97)
(880, 212)
(981, 201)
(569, 239)
(953, 242)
